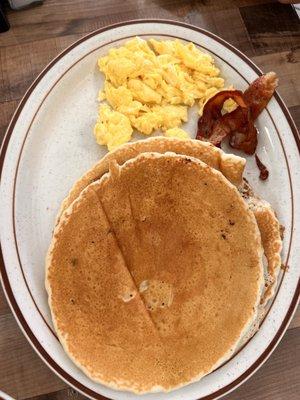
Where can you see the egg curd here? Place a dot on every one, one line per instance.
(149, 86)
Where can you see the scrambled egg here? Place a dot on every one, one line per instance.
(149, 86)
(113, 128)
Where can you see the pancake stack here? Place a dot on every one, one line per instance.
(155, 272)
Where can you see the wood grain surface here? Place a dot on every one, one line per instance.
(266, 31)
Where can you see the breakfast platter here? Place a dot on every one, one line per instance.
(150, 214)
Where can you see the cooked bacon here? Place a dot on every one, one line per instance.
(264, 173)
(214, 127)
(239, 124)
(209, 127)
(259, 93)
(239, 127)
(245, 139)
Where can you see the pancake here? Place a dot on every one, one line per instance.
(231, 166)
(154, 273)
(272, 243)
(270, 230)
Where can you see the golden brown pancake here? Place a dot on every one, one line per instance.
(231, 166)
(270, 231)
(154, 273)
(272, 244)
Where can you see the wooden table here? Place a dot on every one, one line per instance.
(267, 32)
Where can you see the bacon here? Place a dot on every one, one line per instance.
(239, 124)
(263, 171)
(240, 129)
(259, 93)
(245, 139)
(214, 127)
(209, 127)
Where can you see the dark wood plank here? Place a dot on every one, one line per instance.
(295, 112)
(7, 110)
(4, 307)
(20, 65)
(287, 71)
(79, 17)
(272, 27)
(65, 394)
(51, 21)
(295, 323)
(22, 373)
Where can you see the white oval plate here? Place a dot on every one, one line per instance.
(49, 144)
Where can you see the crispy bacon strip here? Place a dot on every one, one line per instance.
(244, 137)
(259, 93)
(240, 129)
(239, 124)
(209, 127)
(256, 97)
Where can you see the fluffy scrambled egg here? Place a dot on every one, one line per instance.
(149, 86)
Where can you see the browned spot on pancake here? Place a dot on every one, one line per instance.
(74, 261)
